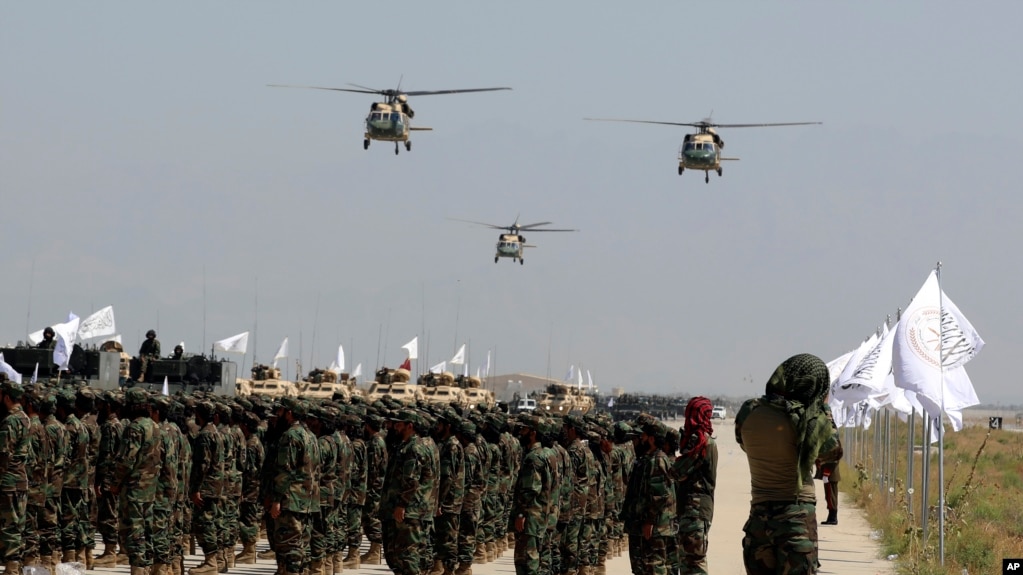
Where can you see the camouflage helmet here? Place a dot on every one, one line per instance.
(12, 389)
(135, 397)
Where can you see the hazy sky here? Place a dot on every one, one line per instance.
(144, 164)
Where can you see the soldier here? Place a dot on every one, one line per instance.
(134, 480)
(452, 491)
(782, 433)
(14, 455)
(695, 474)
(86, 407)
(356, 492)
(206, 487)
(168, 489)
(234, 462)
(111, 430)
(582, 466)
(474, 484)
(558, 462)
(48, 341)
(250, 511)
(376, 466)
(76, 530)
(148, 351)
(343, 494)
(38, 468)
(405, 502)
(182, 515)
(295, 494)
(655, 502)
(531, 498)
(49, 521)
(320, 422)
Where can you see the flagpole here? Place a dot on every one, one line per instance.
(941, 427)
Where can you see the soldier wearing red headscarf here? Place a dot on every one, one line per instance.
(695, 474)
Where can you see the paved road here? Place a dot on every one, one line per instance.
(845, 548)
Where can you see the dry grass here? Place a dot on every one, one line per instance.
(983, 497)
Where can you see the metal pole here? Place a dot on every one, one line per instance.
(926, 483)
(911, 431)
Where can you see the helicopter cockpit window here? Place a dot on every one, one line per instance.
(395, 117)
(690, 146)
(374, 116)
(708, 146)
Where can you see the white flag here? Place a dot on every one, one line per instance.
(333, 367)
(282, 352)
(357, 371)
(580, 374)
(9, 370)
(868, 377)
(589, 379)
(477, 372)
(611, 402)
(931, 344)
(340, 359)
(35, 337)
(166, 386)
(486, 367)
(412, 347)
(440, 367)
(571, 373)
(459, 358)
(98, 324)
(234, 344)
(35, 374)
(65, 333)
(117, 338)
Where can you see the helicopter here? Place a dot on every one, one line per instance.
(702, 150)
(513, 244)
(390, 120)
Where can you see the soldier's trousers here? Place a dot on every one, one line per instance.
(780, 538)
(49, 526)
(692, 546)
(293, 535)
(164, 537)
(228, 523)
(354, 512)
(320, 544)
(653, 558)
(371, 521)
(590, 535)
(570, 540)
(136, 530)
(249, 514)
(468, 524)
(205, 524)
(106, 517)
(445, 538)
(76, 530)
(30, 535)
(527, 554)
(13, 509)
(404, 545)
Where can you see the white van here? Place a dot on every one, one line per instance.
(525, 405)
(719, 412)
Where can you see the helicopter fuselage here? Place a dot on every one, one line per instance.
(510, 246)
(701, 152)
(388, 122)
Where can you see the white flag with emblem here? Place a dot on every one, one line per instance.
(66, 333)
(412, 347)
(234, 344)
(98, 324)
(459, 358)
(934, 340)
(282, 352)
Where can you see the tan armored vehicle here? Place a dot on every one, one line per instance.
(125, 363)
(564, 399)
(475, 395)
(441, 389)
(266, 381)
(325, 384)
(396, 384)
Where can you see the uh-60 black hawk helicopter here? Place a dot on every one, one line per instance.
(391, 120)
(702, 150)
(513, 244)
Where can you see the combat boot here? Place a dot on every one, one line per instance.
(491, 552)
(832, 518)
(464, 569)
(267, 554)
(372, 557)
(480, 556)
(352, 560)
(207, 567)
(248, 554)
(229, 556)
(48, 564)
(12, 568)
(122, 557)
(337, 561)
(31, 561)
(221, 561)
(68, 556)
(108, 558)
(437, 569)
(160, 569)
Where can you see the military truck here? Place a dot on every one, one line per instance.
(267, 381)
(564, 399)
(395, 384)
(440, 388)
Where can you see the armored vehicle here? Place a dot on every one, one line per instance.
(267, 381)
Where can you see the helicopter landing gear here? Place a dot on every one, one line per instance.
(408, 145)
(365, 144)
(396, 148)
(706, 177)
(680, 170)
(495, 259)
(521, 261)
(719, 172)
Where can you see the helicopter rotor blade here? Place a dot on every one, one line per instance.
(762, 125)
(367, 91)
(462, 91)
(527, 226)
(548, 230)
(374, 90)
(496, 227)
(644, 122)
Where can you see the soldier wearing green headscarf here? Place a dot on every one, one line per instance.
(783, 432)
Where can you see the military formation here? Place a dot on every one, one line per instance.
(434, 489)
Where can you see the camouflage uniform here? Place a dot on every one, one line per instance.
(106, 502)
(557, 461)
(408, 487)
(169, 488)
(14, 455)
(592, 538)
(581, 470)
(376, 466)
(452, 492)
(251, 507)
(695, 478)
(342, 490)
(474, 483)
(76, 530)
(295, 491)
(134, 479)
(321, 543)
(651, 505)
(48, 523)
(357, 485)
(182, 512)
(234, 462)
(531, 503)
(207, 482)
(38, 468)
